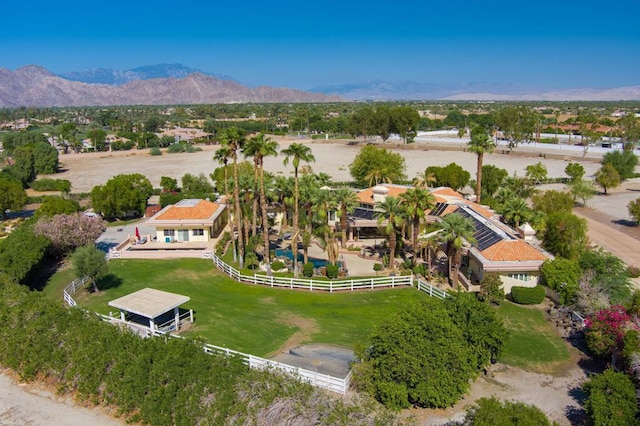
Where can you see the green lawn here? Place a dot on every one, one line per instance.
(244, 317)
(259, 320)
(533, 343)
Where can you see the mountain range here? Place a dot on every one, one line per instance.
(166, 84)
(478, 91)
(33, 85)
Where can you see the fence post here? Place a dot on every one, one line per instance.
(310, 285)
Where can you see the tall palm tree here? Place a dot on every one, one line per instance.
(283, 188)
(222, 156)
(456, 229)
(430, 246)
(260, 147)
(234, 139)
(415, 201)
(480, 144)
(296, 152)
(390, 211)
(323, 203)
(348, 201)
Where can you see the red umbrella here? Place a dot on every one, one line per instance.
(137, 234)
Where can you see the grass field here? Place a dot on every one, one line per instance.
(259, 320)
(244, 317)
(533, 343)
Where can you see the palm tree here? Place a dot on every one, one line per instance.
(296, 152)
(423, 180)
(378, 175)
(515, 211)
(260, 147)
(222, 156)
(283, 187)
(455, 230)
(234, 139)
(430, 246)
(415, 201)
(323, 203)
(390, 210)
(348, 201)
(480, 144)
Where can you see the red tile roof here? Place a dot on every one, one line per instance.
(512, 251)
(201, 211)
(366, 195)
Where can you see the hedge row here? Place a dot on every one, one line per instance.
(160, 381)
(527, 295)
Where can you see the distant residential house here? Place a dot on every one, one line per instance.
(189, 220)
(498, 248)
(184, 134)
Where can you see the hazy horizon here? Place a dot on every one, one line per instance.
(555, 45)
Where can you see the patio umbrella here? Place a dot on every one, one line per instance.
(137, 234)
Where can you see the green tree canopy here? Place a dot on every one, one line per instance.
(552, 201)
(565, 234)
(53, 205)
(575, 171)
(562, 275)
(122, 196)
(634, 210)
(411, 355)
(492, 178)
(12, 196)
(611, 399)
(608, 177)
(90, 262)
(537, 172)
(374, 165)
(451, 175)
(624, 162)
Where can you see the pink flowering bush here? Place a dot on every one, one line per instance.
(69, 231)
(605, 330)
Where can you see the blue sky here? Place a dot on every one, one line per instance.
(551, 44)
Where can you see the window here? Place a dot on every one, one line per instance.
(169, 232)
(520, 277)
(198, 232)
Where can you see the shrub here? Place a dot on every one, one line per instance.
(222, 243)
(491, 289)
(527, 295)
(43, 185)
(487, 411)
(611, 399)
(307, 269)
(192, 148)
(251, 260)
(155, 151)
(605, 330)
(176, 147)
(378, 267)
(277, 265)
(332, 271)
(633, 271)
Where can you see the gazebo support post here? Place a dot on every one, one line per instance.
(191, 315)
(152, 326)
(122, 316)
(176, 314)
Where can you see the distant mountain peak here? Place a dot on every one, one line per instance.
(115, 77)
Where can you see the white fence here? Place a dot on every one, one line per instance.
(72, 288)
(431, 290)
(310, 284)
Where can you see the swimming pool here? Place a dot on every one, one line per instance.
(317, 263)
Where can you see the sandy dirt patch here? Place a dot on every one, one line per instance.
(31, 404)
(90, 169)
(306, 327)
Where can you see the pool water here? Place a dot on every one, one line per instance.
(317, 263)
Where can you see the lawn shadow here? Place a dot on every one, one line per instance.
(109, 281)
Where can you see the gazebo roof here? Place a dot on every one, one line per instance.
(149, 302)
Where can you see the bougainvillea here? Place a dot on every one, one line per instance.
(605, 330)
(69, 231)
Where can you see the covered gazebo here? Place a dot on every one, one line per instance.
(159, 308)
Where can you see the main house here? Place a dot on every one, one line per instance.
(189, 220)
(498, 248)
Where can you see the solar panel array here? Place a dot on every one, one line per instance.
(484, 235)
(438, 209)
(360, 213)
